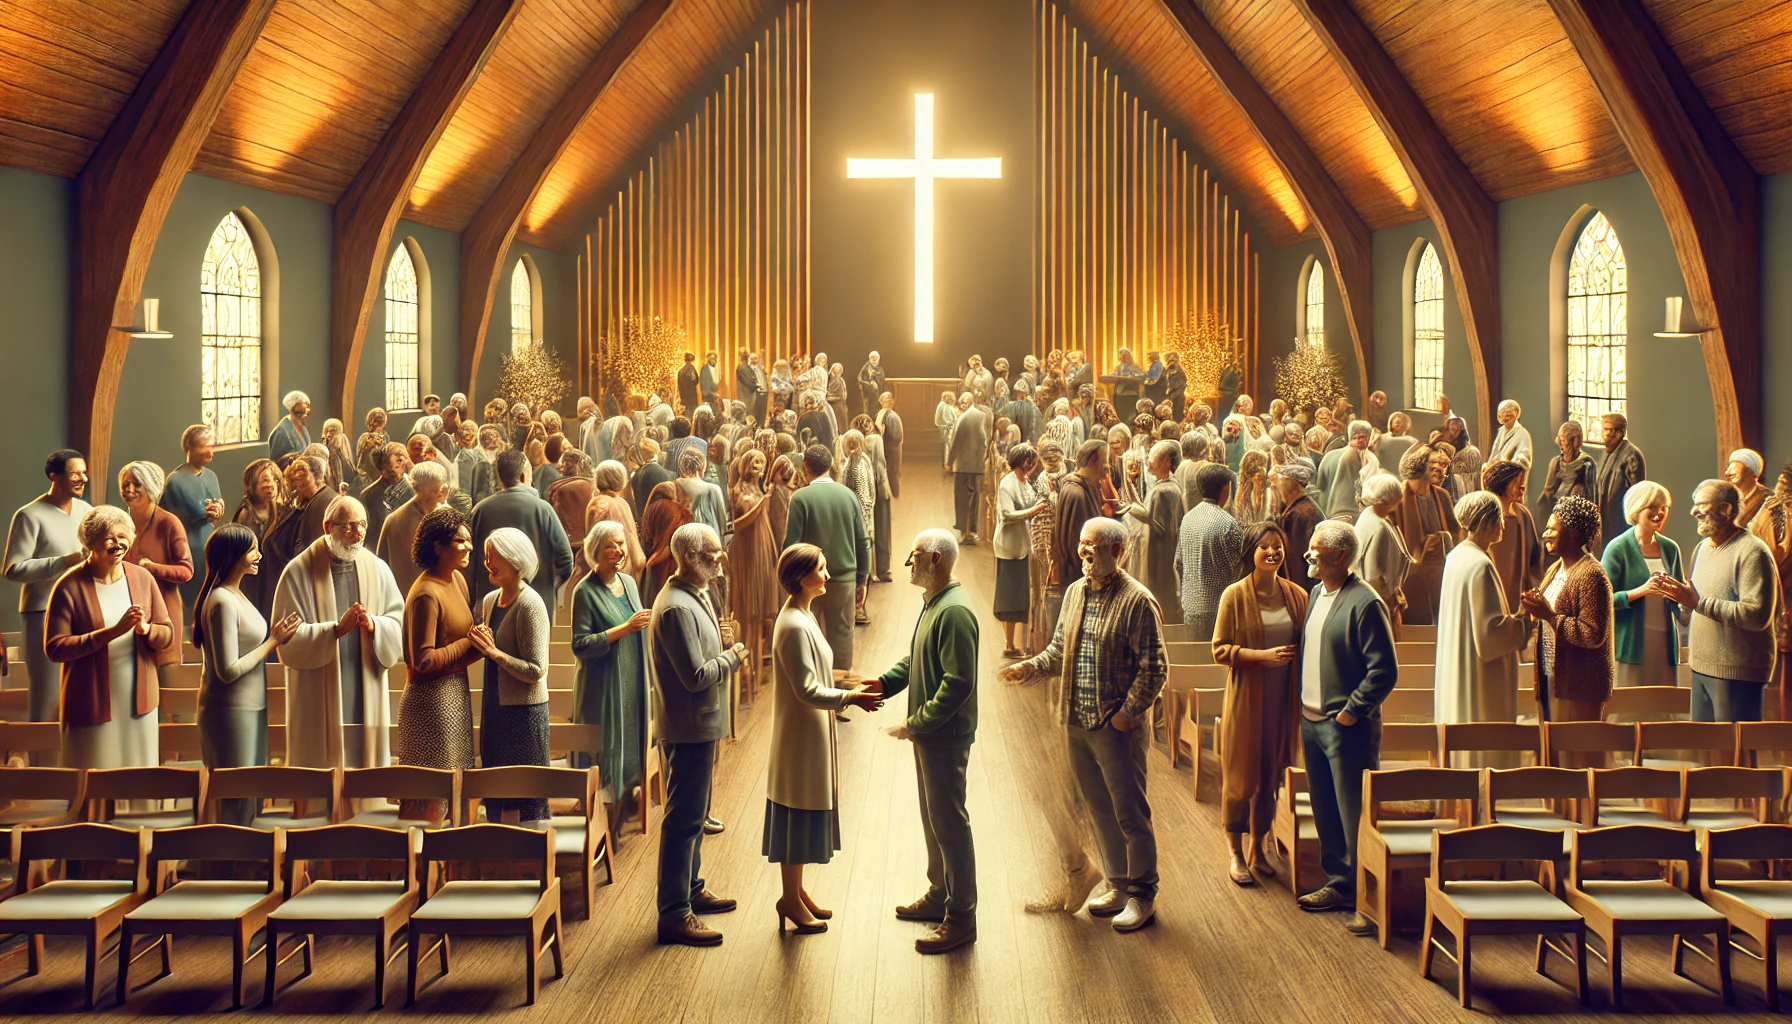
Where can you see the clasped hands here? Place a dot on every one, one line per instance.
(356, 617)
(1662, 585)
(1535, 604)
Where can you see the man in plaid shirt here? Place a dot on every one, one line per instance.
(1108, 653)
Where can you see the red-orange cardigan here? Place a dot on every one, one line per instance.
(72, 636)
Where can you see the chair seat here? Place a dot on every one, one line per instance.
(328, 900)
(202, 900)
(1412, 838)
(1647, 900)
(1769, 897)
(269, 822)
(1507, 901)
(569, 833)
(1636, 816)
(66, 900)
(1539, 818)
(388, 818)
(1720, 819)
(486, 901)
(24, 812)
(154, 819)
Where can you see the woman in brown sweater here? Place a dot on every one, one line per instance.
(1574, 617)
(1257, 635)
(435, 715)
(161, 545)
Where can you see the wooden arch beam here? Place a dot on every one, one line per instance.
(1467, 227)
(487, 238)
(1340, 227)
(123, 194)
(368, 212)
(1708, 193)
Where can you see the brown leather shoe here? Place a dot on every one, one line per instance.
(947, 937)
(923, 909)
(707, 902)
(689, 932)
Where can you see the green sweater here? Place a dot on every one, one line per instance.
(940, 672)
(1624, 564)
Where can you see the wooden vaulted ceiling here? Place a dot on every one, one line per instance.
(327, 78)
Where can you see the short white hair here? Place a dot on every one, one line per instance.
(1750, 459)
(148, 476)
(515, 547)
(347, 501)
(1508, 404)
(428, 471)
(1381, 489)
(1336, 534)
(294, 398)
(1641, 497)
(940, 543)
(1359, 428)
(100, 521)
(1106, 531)
(1476, 509)
(601, 533)
(688, 540)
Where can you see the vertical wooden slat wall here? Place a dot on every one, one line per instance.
(712, 234)
(1132, 236)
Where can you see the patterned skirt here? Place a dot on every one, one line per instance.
(513, 734)
(435, 723)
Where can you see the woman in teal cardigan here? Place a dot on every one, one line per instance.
(611, 689)
(1646, 642)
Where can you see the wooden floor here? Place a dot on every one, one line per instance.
(1217, 953)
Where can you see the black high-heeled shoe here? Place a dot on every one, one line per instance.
(802, 928)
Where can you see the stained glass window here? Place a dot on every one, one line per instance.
(1597, 291)
(401, 331)
(1315, 305)
(230, 335)
(522, 309)
(1427, 329)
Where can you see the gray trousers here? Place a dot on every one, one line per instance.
(946, 828)
(1725, 700)
(964, 495)
(834, 610)
(880, 528)
(1109, 767)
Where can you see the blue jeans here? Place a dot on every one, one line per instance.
(690, 768)
(1725, 700)
(1337, 756)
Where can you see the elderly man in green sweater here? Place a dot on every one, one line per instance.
(940, 674)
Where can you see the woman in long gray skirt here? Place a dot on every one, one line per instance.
(802, 807)
(234, 642)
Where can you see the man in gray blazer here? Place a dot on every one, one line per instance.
(1346, 668)
(826, 514)
(1622, 469)
(969, 459)
(690, 713)
(517, 504)
(890, 425)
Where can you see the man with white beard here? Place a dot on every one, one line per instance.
(352, 631)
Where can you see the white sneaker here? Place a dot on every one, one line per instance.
(1107, 901)
(1138, 914)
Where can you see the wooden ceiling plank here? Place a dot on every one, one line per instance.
(1707, 191)
(1467, 227)
(488, 236)
(123, 194)
(1340, 227)
(368, 212)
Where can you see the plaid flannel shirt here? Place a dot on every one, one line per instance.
(1126, 650)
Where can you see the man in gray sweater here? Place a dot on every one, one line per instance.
(40, 546)
(1730, 606)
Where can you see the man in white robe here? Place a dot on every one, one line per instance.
(323, 729)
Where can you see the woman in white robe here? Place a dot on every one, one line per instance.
(1478, 635)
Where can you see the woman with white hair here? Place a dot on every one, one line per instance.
(1382, 558)
(160, 547)
(106, 626)
(611, 688)
(512, 633)
(1478, 634)
(1645, 643)
(290, 435)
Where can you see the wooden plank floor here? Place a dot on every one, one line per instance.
(1218, 953)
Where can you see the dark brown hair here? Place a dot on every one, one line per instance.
(795, 565)
(1253, 537)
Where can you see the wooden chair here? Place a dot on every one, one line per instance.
(395, 783)
(1295, 835)
(582, 841)
(1415, 634)
(92, 908)
(230, 907)
(37, 798)
(1188, 653)
(27, 738)
(1756, 907)
(1715, 739)
(1409, 704)
(529, 908)
(1615, 908)
(1490, 737)
(1387, 846)
(1751, 796)
(1194, 697)
(377, 908)
(1561, 739)
(1648, 703)
(1755, 738)
(1469, 908)
(1409, 745)
(1651, 795)
(307, 790)
(107, 786)
(1177, 633)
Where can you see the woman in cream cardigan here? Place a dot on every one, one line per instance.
(1478, 634)
(513, 633)
(802, 808)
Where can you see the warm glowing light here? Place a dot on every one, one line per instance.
(924, 168)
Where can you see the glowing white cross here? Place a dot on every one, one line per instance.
(924, 168)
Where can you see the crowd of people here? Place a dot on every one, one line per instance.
(1299, 541)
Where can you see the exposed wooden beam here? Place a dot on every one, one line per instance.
(1467, 227)
(1340, 227)
(1708, 193)
(368, 212)
(123, 194)
(487, 238)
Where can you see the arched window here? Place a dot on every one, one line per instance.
(230, 335)
(402, 342)
(1427, 329)
(1315, 304)
(522, 307)
(1597, 291)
